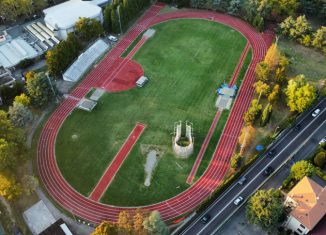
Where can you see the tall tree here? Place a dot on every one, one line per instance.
(262, 71)
(266, 114)
(12, 143)
(246, 138)
(88, 29)
(107, 18)
(138, 220)
(261, 88)
(124, 221)
(105, 228)
(301, 169)
(22, 99)
(319, 39)
(273, 96)
(272, 57)
(9, 188)
(300, 94)
(265, 209)
(236, 161)
(20, 115)
(155, 225)
(39, 90)
(252, 113)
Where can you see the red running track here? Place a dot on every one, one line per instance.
(203, 148)
(187, 200)
(113, 168)
(216, 119)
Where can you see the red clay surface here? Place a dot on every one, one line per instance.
(186, 201)
(125, 71)
(113, 168)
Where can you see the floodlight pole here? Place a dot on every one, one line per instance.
(118, 8)
(51, 85)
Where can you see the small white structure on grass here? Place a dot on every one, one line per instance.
(61, 18)
(87, 104)
(141, 81)
(183, 146)
(151, 163)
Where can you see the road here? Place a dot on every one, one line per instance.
(286, 148)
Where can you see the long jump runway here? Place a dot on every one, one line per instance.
(186, 201)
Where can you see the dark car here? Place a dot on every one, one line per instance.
(297, 127)
(268, 171)
(271, 153)
(205, 218)
(242, 180)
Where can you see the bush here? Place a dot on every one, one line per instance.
(320, 159)
(25, 63)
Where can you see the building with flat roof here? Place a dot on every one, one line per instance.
(307, 202)
(61, 18)
(14, 51)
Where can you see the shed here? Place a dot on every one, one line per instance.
(142, 81)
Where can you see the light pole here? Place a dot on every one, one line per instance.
(118, 8)
(51, 85)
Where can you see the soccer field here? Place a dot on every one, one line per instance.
(185, 61)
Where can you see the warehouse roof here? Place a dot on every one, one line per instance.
(11, 53)
(65, 15)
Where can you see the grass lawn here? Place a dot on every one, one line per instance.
(304, 60)
(184, 61)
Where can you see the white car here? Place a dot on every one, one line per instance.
(322, 141)
(238, 200)
(316, 112)
(113, 38)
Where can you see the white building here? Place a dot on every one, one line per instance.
(13, 52)
(61, 19)
(307, 201)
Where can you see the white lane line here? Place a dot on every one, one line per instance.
(231, 201)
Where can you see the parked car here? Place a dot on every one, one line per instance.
(238, 200)
(242, 180)
(113, 38)
(268, 171)
(316, 112)
(322, 141)
(271, 153)
(205, 218)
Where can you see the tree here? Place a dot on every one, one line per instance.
(8, 93)
(261, 88)
(39, 4)
(124, 221)
(300, 94)
(39, 90)
(62, 55)
(88, 29)
(12, 143)
(20, 115)
(22, 99)
(301, 27)
(9, 189)
(246, 137)
(107, 18)
(265, 209)
(29, 183)
(115, 21)
(266, 114)
(254, 109)
(138, 220)
(301, 169)
(105, 228)
(320, 159)
(236, 161)
(272, 57)
(155, 225)
(262, 71)
(273, 96)
(319, 39)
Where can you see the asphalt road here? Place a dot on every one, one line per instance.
(286, 147)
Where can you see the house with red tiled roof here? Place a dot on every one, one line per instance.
(307, 202)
